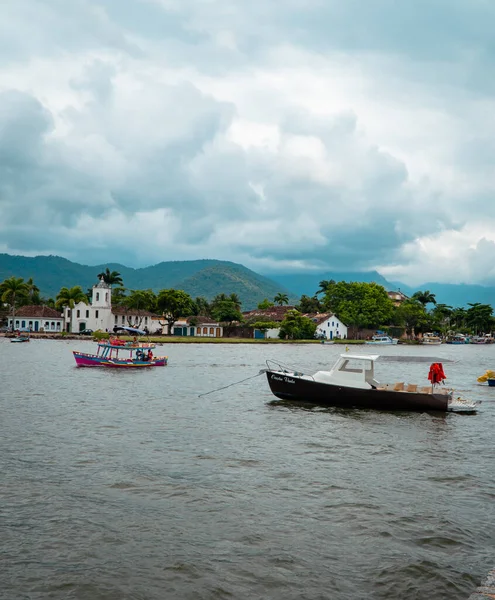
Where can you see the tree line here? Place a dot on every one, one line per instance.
(358, 305)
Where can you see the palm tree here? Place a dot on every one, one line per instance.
(425, 297)
(479, 317)
(458, 317)
(220, 297)
(235, 301)
(281, 299)
(33, 292)
(111, 277)
(442, 313)
(70, 297)
(217, 300)
(201, 307)
(325, 284)
(12, 290)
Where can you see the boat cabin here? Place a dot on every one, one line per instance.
(382, 339)
(358, 371)
(351, 370)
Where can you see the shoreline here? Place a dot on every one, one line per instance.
(189, 340)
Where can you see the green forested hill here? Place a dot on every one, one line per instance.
(205, 278)
(232, 278)
(208, 278)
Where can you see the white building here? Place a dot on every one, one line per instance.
(99, 314)
(191, 326)
(329, 327)
(204, 327)
(37, 318)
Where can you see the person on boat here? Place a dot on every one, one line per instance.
(150, 355)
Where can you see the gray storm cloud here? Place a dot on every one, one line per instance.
(323, 135)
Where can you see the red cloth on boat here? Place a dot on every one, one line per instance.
(436, 374)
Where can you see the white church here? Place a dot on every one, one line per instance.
(99, 314)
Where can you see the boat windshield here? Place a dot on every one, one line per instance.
(352, 366)
(357, 369)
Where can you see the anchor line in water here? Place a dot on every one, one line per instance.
(232, 384)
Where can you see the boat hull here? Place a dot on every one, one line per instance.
(19, 340)
(91, 360)
(294, 388)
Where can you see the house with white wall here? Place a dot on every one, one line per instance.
(37, 318)
(191, 326)
(205, 327)
(328, 326)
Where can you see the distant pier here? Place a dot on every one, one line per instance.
(486, 591)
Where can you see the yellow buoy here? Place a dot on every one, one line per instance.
(488, 375)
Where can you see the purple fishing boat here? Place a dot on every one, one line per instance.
(117, 353)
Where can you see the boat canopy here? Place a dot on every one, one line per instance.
(396, 358)
(132, 330)
(361, 356)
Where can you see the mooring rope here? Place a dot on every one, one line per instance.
(232, 384)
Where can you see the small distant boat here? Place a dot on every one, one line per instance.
(136, 354)
(351, 383)
(430, 339)
(22, 336)
(481, 339)
(457, 339)
(382, 340)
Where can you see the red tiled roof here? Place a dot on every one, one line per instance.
(319, 318)
(394, 294)
(38, 312)
(274, 313)
(201, 320)
(120, 310)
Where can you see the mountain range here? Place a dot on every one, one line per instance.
(208, 278)
(205, 278)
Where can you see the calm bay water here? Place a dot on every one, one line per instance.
(127, 485)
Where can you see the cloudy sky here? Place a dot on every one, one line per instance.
(282, 134)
